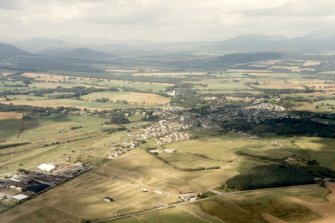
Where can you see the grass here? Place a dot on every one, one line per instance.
(131, 97)
(121, 178)
(321, 149)
(75, 103)
(220, 85)
(9, 129)
(48, 130)
(252, 205)
(172, 215)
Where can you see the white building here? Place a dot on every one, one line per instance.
(20, 197)
(46, 167)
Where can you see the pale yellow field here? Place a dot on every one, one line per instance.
(326, 209)
(169, 74)
(248, 71)
(123, 179)
(312, 63)
(10, 115)
(276, 205)
(296, 84)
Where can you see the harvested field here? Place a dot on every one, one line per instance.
(10, 116)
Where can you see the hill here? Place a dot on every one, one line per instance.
(9, 51)
(82, 54)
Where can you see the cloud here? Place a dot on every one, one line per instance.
(173, 20)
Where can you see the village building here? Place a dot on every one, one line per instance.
(45, 167)
(108, 199)
(20, 197)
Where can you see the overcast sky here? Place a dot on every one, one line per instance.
(162, 20)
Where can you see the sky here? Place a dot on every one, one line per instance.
(162, 20)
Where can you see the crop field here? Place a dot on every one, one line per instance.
(10, 116)
(82, 104)
(292, 83)
(131, 97)
(169, 74)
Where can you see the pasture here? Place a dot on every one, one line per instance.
(81, 104)
(130, 97)
(123, 179)
(267, 205)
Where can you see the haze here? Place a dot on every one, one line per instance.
(154, 20)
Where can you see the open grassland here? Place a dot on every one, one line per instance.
(53, 77)
(324, 209)
(51, 140)
(9, 129)
(10, 124)
(131, 97)
(142, 86)
(171, 215)
(222, 151)
(47, 85)
(321, 149)
(274, 205)
(123, 179)
(220, 85)
(44, 80)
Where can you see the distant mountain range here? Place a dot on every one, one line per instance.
(316, 41)
(59, 54)
(79, 53)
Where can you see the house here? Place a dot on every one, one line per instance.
(108, 199)
(3, 196)
(188, 197)
(169, 150)
(20, 197)
(45, 167)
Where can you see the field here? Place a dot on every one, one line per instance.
(145, 186)
(10, 116)
(130, 97)
(81, 104)
(221, 151)
(123, 179)
(271, 205)
(167, 216)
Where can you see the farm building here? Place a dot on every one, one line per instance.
(108, 199)
(45, 167)
(20, 197)
(3, 196)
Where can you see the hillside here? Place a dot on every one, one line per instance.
(82, 54)
(9, 51)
